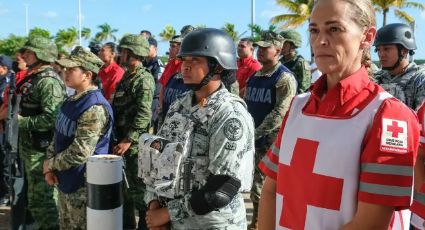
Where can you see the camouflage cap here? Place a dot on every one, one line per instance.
(186, 29)
(176, 39)
(292, 36)
(81, 57)
(270, 38)
(44, 48)
(136, 43)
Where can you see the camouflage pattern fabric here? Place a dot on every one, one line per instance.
(292, 36)
(286, 88)
(136, 43)
(301, 70)
(270, 38)
(45, 49)
(72, 210)
(90, 126)
(44, 93)
(408, 87)
(82, 58)
(222, 143)
(132, 111)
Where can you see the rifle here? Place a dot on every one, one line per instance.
(11, 142)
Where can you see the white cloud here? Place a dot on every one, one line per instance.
(147, 7)
(50, 14)
(423, 15)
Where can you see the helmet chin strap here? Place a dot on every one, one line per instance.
(207, 78)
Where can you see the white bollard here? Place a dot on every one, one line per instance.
(104, 192)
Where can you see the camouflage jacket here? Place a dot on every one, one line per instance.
(301, 70)
(286, 88)
(408, 87)
(90, 126)
(222, 143)
(132, 104)
(42, 94)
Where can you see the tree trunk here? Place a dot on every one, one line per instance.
(384, 22)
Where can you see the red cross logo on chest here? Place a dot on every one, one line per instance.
(395, 129)
(300, 186)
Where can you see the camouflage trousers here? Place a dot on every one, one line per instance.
(133, 196)
(72, 210)
(257, 184)
(41, 196)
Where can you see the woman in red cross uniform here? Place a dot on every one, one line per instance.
(345, 153)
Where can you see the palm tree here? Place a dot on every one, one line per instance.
(385, 5)
(85, 33)
(106, 33)
(168, 33)
(67, 38)
(300, 11)
(37, 31)
(230, 30)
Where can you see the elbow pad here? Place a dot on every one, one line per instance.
(218, 192)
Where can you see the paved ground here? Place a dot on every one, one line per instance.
(4, 213)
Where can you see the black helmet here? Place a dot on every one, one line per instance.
(396, 33)
(212, 43)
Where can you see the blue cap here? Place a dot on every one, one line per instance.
(6, 61)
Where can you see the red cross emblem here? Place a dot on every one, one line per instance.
(300, 187)
(395, 129)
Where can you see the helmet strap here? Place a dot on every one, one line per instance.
(397, 64)
(212, 66)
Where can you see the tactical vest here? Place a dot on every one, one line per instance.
(260, 94)
(29, 105)
(175, 87)
(72, 179)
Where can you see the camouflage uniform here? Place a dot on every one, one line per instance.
(223, 136)
(132, 111)
(285, 90)
(92, 124)
(301, 69)
(408, 87)
(42, 92)
(266, 131)
(297, 64)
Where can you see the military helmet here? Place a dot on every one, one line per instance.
(396, 33)
(44, 48)
(292, 36)
(82, 58)
(186, 29)
(212, 43)
(136, 43)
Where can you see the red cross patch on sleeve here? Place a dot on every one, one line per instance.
(394, 136)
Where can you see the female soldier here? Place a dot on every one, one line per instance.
(83, 128)
(318, 177)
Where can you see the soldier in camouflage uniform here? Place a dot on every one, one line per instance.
(268, 95)
(295, 62)
(83, 128)
(404, 80)
(42, 92)
(132, 111)
(220, 142)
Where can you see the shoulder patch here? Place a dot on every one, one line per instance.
(233, 129)
(394, 136)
